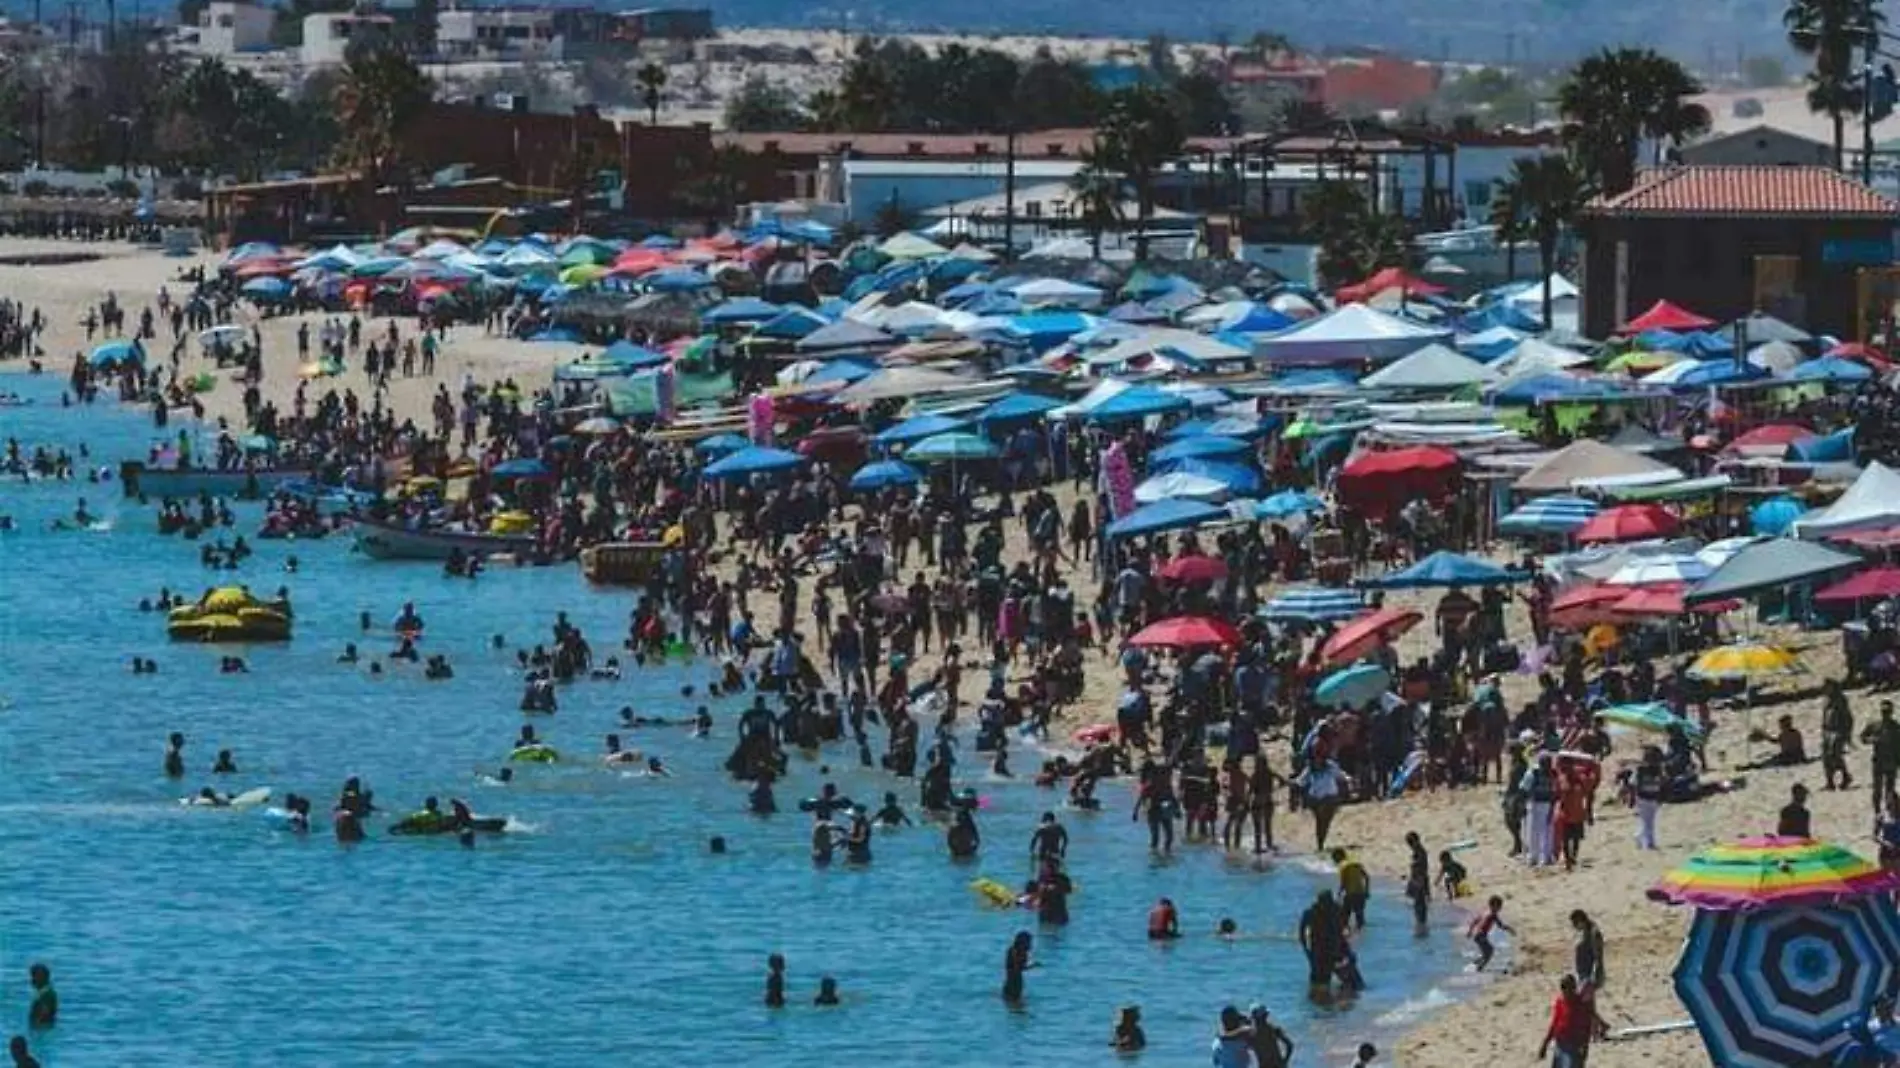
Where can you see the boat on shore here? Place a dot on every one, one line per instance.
(633, 563)
(387, 541)
(173, 483)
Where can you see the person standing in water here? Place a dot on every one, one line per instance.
(1321, 936)
(1418, 881)
(175, 756)
(775, 981)
(1050, 840)
(1015, 963)
(44, 1011)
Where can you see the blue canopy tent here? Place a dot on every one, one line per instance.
(266, 288)
(1286, 504)
(1042, 330)
(1837, 447)
(740, 310)
(675, 280)
(722, 444)
(1717, 373)
(841, 370)
(1227, 426)
(753, 460)
(1202, 445)
(1831, 369)
(1446, 569)
(1556, 387)
(117, 353)
(1240, 479)
(625, 353)
(884, 474)
(1016, 408)
(1502, 313)
(952, 448)
(1137, 402)
(791, 324)
(1549, 515)
(1175, 513)
(1255, 319)
(917, 428)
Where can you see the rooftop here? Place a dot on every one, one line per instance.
(1744, 192)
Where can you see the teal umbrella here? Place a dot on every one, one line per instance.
(1654, 717)
(951, 448)
(1353, 687)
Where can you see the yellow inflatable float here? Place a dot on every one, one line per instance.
(511, 523)
(230, 614)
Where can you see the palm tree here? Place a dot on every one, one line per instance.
(1548, 190)
(1831, 32)
(1098, 195)
(1140, 134)
(1507, 218)
(652, 79)
(1614, 99)
(381, 94)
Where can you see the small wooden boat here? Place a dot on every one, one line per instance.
(171, 483)
(387, 541)
(631, 563)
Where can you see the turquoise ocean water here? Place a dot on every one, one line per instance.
(603, 932)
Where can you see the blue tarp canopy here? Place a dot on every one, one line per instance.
(740, 310)
(841, 370)
(1240, 480)
(675, 280)
(1049, 326)
(1549, 515)
(885, 473)
(1446, 569)
(1837, 447)
(625, 353)
(1176, 513)
(1137, 402)
(1555, 387)
(1287, 503)
(1717, 373)
(521, 467)
(115, 353)
(952, 448)
(1830, 369)
(1772, 517)
(1015, 408)
(1201, 445)
(917, 428)
(791, 324)
(1227, 426)
(722, 444)
(753, 460)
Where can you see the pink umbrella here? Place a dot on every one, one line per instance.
(1184, 632)
(1194, 569)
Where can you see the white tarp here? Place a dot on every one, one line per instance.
(1871, 503)
(1434, 367)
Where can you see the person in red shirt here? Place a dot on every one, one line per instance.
(1573, 1023)
(1164, 924)
(1573, 811)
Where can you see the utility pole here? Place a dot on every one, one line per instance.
(1009, 192)
(1867, 109)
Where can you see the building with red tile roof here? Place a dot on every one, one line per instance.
(1727, 240)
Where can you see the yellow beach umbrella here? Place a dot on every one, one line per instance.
(1643, 362)
(1748, 662)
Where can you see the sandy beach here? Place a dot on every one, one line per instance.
(1496, 1023)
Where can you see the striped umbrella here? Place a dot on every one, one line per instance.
(1778, 987)
(1313, 604)
(1549, 515)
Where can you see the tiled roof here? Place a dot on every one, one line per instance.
(1745, 191)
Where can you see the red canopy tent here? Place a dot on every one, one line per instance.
(1884, 538)
(1380, 483)
(1872, 583)
(1770, 436)
(1629, 522)
(1389, 278)
(1666, 316)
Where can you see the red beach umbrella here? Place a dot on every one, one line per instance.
(1366, 633)
(1666, 600)
(1183, 632)
(1194, 569)
(1663, 315)
(1629, 522)
(1876, 583)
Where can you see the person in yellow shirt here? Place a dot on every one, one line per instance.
(1355, 886)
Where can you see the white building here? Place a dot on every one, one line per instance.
(233, 27)
(497, 34)
(326, 38)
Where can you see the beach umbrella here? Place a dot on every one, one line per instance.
(1665, 600)
(599, 424)
(951, 448)
(1586, 605)
(1653, 717)
(1241, 480)
(676, 280)
(1793, 940)
(1831, 369)
(520, 467)
(266, 288)
(885, 473)
(1313, 604)
(1187, 632)
(753, 460)
(722, 444)
(116, 353)
(1662, 567)
(1746, 662)
(1196, 568)
(1199, 447)
(1287, 503)
(1445, 568)
(1629, 522)
(917, 428)
(1137, 402)
(740, 310)
(1181, 484)
(1173, 514)
(1774, 516)
(1366, 633)
(1352, 687)
(1549, 515)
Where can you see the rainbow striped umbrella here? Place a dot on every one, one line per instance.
(1769, 872)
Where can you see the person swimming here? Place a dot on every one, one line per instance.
(437, 669)
(657, 770)
(615, 754)
(827, 992)
(702, 723)
(406, 650)
(226, 764)
(349, 654)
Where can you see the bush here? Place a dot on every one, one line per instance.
(188, 189)
(37, 187)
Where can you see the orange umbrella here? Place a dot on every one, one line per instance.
(1360, 636)
(1585, 606)
(1665, 600)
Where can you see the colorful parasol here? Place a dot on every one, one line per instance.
(1194, 569)
(1768, 872)
(1747, 662)
(1654, 717)
(1368, 632)
(1187, 632)
(1629, 522)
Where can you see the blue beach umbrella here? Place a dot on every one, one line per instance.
(1352, 687)
(1447, 569)
(722, 444)
(521, 467)
(740, 310)
(1175, 513)
(1832, 369)
(266, 288)
(753, 460)
(1774, 516)
(1549, 515)
(1138, 402)
(1240, 479)
(1313, 604)
(1199, 447)
(1288, 503)
(917, 428)
(117, 353)
(951, 448)
(1017, 407)
(884, 474)
(675, 280)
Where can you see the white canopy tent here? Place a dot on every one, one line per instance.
(1871, 503)
(1349, 334)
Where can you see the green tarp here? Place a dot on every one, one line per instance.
(635, 395)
